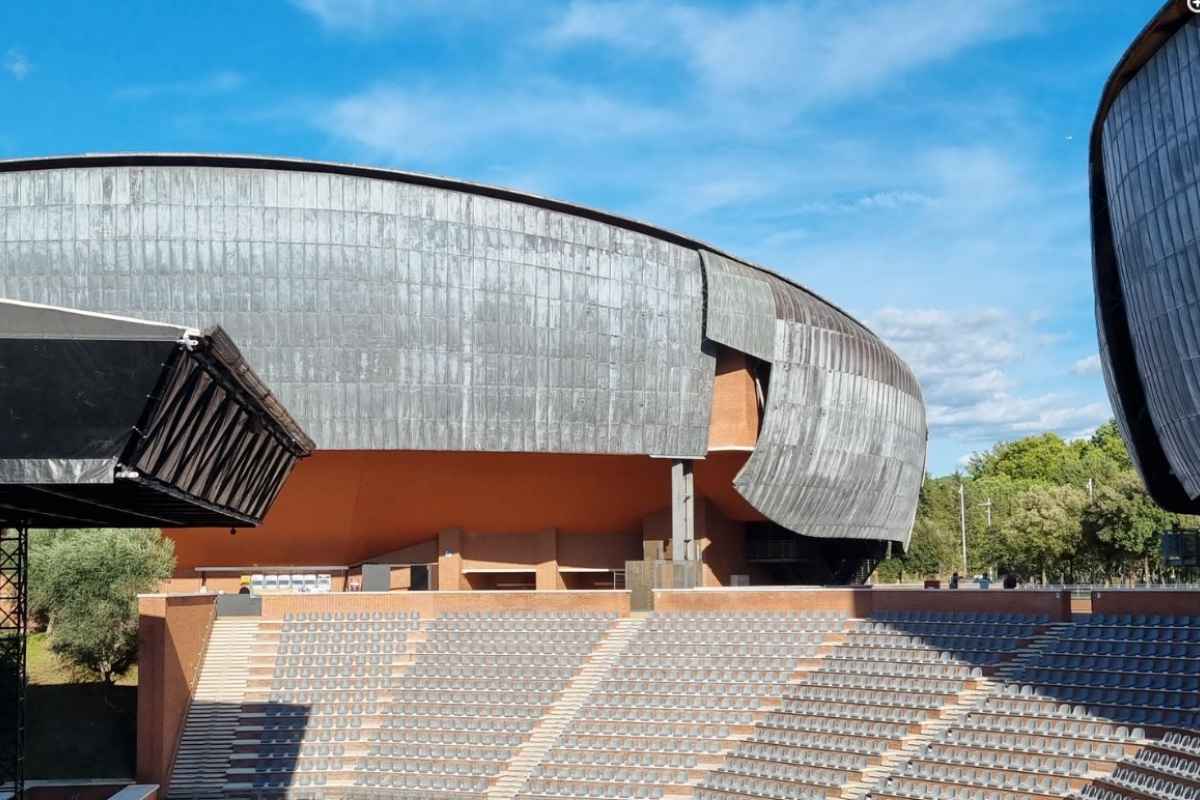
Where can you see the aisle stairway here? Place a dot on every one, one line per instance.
(543, 737)
(208, 730)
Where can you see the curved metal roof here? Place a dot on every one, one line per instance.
(1125, 380)
(246, 161)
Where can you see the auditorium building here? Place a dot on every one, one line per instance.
(505, 391)
(1145, 208)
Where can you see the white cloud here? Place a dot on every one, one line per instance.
(401, 123)
(16, 64)
(809, 52)
(372, 16)
(1088, 365)
(966, 363)
(221, 82)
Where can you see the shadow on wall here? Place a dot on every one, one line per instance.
(80, 730)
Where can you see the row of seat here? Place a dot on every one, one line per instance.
(868, 692)
(682, 680)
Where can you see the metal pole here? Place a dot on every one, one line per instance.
(14, 562)
(962, 525)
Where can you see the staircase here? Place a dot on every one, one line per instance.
(1031, 651)
(209, 728)
(933, 729)
(930, 730)
(533, 751)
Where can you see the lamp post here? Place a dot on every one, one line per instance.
(962, 525)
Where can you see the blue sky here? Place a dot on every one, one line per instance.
(922, 163)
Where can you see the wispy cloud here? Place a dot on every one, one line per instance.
(1088, 365)
(808, 52)
(375, 16)
(399, 123)
(17, 64)
(965, 362)
(221, 82)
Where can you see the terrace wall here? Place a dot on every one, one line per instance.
(173, 633)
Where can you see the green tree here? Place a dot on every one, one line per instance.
(1043, 533)
(86, 584)
(1045, 458)
(1124, 523)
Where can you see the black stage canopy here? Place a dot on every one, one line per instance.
(114, 422)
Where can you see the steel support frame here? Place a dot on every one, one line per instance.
(14, 567)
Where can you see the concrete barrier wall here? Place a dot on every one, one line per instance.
(431, 604)
(173, 633)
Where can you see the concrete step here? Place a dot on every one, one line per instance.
(206, 742)
(543, 737)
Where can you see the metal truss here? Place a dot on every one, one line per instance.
(207, 438)
(14, 563)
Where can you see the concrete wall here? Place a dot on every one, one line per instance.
(173, 633)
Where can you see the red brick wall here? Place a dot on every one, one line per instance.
(865, 601)
(430, 604)
(1132, 601)
(172, 636)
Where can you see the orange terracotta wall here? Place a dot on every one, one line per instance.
(420, 553)
(1133, 601)
(1056, 605)
(345, 507)
(861, 602)
(598, 551)
(722, 542)
(713, 477)
(852, 602)
(734, 421)
(431, 604)
(173, 633)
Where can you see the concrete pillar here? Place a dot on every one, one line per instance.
(546, 555)
(683, 512)
(450, 560)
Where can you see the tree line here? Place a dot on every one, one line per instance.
(1045, 510)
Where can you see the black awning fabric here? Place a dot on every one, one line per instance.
(107, 421)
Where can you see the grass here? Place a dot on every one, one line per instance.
(77, 729)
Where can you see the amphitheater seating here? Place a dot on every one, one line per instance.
(719, 706)
(1133, 669)
(1168, 769)
(326, 677)
(346, 718)
(891, 674)
(686, 683)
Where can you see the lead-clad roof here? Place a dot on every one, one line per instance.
(393, 311)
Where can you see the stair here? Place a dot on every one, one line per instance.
(932, 729)
(1031, 651)
(209, 728)
(533, 751)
